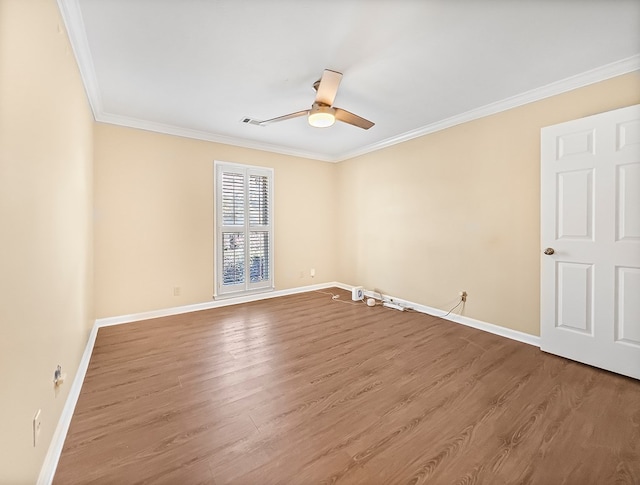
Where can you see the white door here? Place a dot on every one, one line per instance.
(590, 223)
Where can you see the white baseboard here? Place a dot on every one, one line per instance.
(166, 312)
(469, 322)
(50, 464)
(52, 457)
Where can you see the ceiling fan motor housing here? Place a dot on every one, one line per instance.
(322, 115)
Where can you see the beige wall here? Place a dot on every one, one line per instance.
(45, 213)
(154, 218)
(454, 210)
(459, 210)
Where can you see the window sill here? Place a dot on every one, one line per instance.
(241, 294)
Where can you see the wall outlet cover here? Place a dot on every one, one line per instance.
(37, 424)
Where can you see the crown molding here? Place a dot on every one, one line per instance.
(72, 16)
(73, 22)
(593, 76)
(206, 136)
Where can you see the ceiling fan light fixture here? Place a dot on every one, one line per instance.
(322, 116)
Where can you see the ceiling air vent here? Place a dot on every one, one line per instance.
(250, 121)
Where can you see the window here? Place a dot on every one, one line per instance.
(244, 234)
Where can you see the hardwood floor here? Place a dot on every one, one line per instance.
(303, 389)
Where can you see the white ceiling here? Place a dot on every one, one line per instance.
(196, 68)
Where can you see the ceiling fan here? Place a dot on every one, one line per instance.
(322, 113)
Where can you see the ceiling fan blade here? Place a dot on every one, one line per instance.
(328, 87)
(285, 117)
(355, 120)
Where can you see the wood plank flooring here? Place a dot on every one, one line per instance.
(303, 389)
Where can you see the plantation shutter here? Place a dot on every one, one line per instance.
(244, 232)
(259, 261)
(233, 200)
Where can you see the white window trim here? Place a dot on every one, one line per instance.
(269, 285)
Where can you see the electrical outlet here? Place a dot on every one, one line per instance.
(176, 291)
(357, 293)
(463, 296)
(58, 377)
(312, 272)
(37, 424)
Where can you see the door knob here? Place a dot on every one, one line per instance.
(549, 251)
